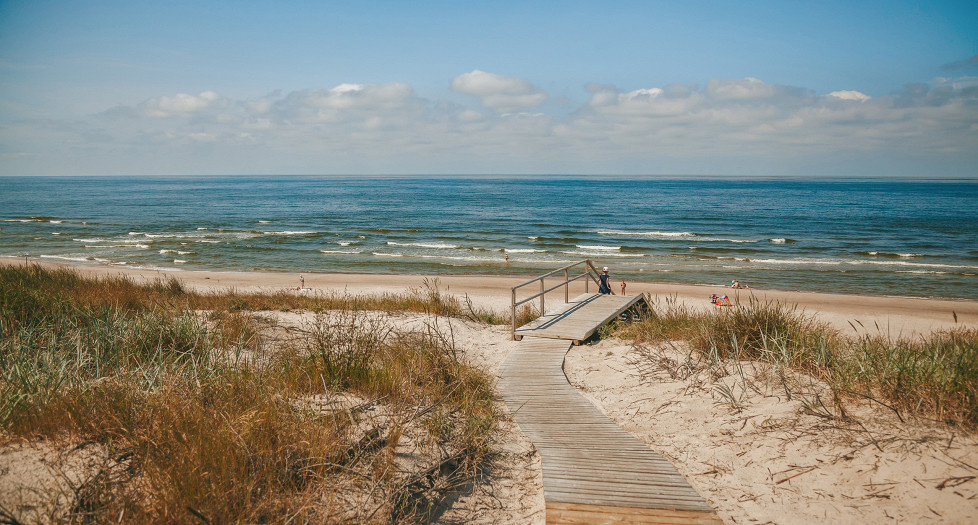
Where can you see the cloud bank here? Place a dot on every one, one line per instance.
(728, 126)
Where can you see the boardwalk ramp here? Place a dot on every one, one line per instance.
(593, 471)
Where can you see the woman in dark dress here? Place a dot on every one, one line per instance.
(604, 286)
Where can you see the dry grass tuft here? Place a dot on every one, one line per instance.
(933, 377)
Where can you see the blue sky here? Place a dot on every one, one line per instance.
(685, 88)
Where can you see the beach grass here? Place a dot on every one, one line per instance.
(932, 376)
(204, 417)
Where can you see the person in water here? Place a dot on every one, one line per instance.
(604, 284)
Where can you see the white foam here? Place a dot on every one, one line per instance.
(55, 233)
(115, 241)
(779, 240)
(533, 237)
(341, 251)
(201, 228)
(264, 222)
(347, 243)
(598, 247)
(56, 222)
(179, 261)
(604, 254)
(380, 254)
(439, 246)
(289, 232)
(648, 234)
(523, 250)
(129, 245)
(63, 258)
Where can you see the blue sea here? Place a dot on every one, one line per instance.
(880, 237)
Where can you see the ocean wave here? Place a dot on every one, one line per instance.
(523, 250)
(460, 258)
(688, 236)
(648, 234)
(381, 254)
(922, 272)
(65, 258)
(604, 254)
(533, 237)
(178, 261)
(56, 222)
(892, 255)
(116, 242)
(127, 245)
(347, 243)
(264, 222)
(288, 232)
(439, 246)
(348, 252)
(599, 247)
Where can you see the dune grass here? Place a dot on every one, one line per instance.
(933, 376)
(200, 418)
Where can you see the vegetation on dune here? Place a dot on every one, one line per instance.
(205, 418)
(933, 376)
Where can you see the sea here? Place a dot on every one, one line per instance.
(890, 237)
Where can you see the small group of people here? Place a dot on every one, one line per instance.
(736, 284)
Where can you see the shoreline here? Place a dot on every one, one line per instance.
(893, 316)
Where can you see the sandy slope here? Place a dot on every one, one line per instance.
(757, 458)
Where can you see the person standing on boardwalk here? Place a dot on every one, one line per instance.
(604, 284)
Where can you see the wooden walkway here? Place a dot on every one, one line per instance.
(593, 471)
(580, 318)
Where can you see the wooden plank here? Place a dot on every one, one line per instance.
(571, 513)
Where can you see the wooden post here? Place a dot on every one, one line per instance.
(542, 295)
(566, 286)
(514, 314)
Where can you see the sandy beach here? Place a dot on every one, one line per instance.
(894, 316)
(763, 461)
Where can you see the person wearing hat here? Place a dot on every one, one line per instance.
(604, 285)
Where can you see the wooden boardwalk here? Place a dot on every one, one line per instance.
(580, 318)
(593, 471)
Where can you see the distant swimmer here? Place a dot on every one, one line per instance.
(604, 286)
(507, 257)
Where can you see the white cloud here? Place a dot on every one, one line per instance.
(499, 92)
(740, 89)
(180, 105)
(850, 95)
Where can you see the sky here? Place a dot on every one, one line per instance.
(741, 88)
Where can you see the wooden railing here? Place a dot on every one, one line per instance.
(568, 279)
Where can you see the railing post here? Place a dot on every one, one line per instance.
(566, 286)
(513, 333)
(542, 295)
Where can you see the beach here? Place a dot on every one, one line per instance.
(893, 316)
(765, 458)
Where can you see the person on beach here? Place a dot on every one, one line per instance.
(623, 287)
(604, 285)
(302, 283)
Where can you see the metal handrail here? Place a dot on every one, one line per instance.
(588, 267)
